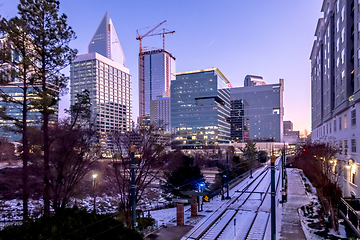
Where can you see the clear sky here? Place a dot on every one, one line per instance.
(269, 38)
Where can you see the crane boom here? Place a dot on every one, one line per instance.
(139, 37)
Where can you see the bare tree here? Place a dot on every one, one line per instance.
(73, 151)
(319, 164)
(150, 156)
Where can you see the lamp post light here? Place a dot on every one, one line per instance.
(94, 186)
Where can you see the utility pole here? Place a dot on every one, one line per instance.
(227, 174)
(133, 198)
(273, 194)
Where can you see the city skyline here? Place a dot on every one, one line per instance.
(269, 39)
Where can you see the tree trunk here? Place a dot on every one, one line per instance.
(25, 154)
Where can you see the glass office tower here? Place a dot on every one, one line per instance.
(14, 93)
(159, 65)
(264, 111)
(200, 105)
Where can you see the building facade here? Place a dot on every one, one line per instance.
(160, 113)
(107, 80)
(12, 98)
(239, 120)
(251, 80)
(264, 111)
(200, 105)
(290, 136)
(158, 69)
(335, 86)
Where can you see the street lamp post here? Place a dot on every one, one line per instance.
(94, 187)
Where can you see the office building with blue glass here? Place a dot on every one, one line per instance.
(261, 115)
(200, 105)
(12, 99)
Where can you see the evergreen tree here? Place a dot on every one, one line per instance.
(250, 152)
(185, 178)
(16, 72)
(50, 37)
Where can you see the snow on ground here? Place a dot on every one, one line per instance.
(309, 217)
(108, 204)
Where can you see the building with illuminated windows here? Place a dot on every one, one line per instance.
(103, 73)
(335, 87)
(257, 112)
(200, 105)
(14, 91)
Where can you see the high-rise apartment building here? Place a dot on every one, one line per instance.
(200, 105)
(335, 86)
(103, 74)
(158, 69)
(260, 118)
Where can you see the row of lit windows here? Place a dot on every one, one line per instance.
(342, 123)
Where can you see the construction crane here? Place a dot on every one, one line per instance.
(141, 65)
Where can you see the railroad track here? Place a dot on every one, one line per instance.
(245, 216)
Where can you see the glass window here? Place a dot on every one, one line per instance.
(343, 13)
(342, 78)
(337, 6)
(353, 175)
(343, 34)
(334, 125)
(353, 145)
(342, 56)
(345, 121)
(339, 123)
(345, 147)
(340, 147)
(337, 44)
(353, 117)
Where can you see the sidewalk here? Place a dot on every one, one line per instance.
(290, 221)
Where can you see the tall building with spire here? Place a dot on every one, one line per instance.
(103, 73)
(106, 42)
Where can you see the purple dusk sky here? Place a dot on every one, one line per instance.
(269, 38)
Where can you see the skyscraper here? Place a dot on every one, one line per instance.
(335, 86)
(103, 73)
(105, 42)
(158, 68)
(263, 111)
(200, 105)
